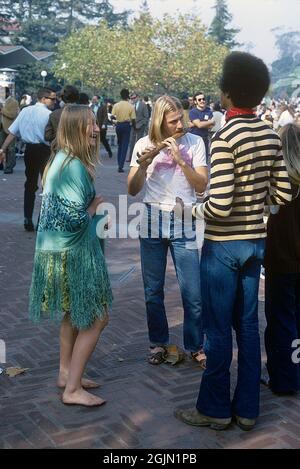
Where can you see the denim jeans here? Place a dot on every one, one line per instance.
(185, 257)
(230, 272)
(282, 308)
(123, 133)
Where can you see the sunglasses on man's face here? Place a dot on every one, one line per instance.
(201, 99)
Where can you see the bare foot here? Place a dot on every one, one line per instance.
(82, 397)
(85, 383)
(89, 384)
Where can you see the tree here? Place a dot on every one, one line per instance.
(6, 20)
(188, 54)
(286, 69)
(173, 53)
(104, 11)
(87, 57)
(29, 78)
(45, 22)
(218, 28)
(144, 7)
(78, 13)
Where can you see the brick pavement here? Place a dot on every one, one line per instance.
(141, 398)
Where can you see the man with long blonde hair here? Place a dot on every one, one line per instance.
(175, 174)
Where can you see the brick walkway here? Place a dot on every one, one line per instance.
(141, 398)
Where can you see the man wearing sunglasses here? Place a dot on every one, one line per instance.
(30, 127)
(201, 117)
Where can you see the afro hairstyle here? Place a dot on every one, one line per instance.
(245, 79)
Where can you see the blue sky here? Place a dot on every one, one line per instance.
(255, 18)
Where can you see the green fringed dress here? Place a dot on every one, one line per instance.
(69, 273)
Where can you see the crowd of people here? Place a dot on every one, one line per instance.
(222, 164)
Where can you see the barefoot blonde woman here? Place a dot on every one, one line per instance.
(70, 280)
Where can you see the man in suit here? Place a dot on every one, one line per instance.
(102, 120)
(141, 123)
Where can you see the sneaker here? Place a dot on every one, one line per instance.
(245, 424)
(195, 418)
(121, 170)
(28, 225)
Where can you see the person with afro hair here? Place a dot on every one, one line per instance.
(247, 171)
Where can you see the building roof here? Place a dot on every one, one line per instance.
(11, 56)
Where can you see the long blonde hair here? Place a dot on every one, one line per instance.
(162, 106)
(290, 137)
(73, 137)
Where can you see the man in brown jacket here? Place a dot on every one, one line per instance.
(9, 112)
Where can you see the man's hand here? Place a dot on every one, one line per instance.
(174, 149)
(2, 156)
(145, 162)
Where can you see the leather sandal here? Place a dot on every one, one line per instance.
(200, 358)
(158, 357)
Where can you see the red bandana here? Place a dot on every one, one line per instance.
(238, 111)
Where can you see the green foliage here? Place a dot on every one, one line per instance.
(29, 78)
(40, 35)
(218, 28)
(172, 55)
(286, 70)
(45, 22)
(104, 11)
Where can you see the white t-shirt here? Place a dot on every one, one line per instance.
(218, 118)
(285, 119)
(165, 179)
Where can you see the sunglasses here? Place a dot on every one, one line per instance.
(201, 99)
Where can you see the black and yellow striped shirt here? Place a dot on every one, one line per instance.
(247, 173)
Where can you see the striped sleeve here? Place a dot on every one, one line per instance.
(219, 203)
(280, 192)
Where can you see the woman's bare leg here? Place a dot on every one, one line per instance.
(84, 346)
(68, 335)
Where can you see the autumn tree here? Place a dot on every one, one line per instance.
(191, 59)
(176, 54)
(108, 58)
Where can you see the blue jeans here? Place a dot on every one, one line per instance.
(187, 265)
(123, 130)
(230, 272)
(282, 308)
